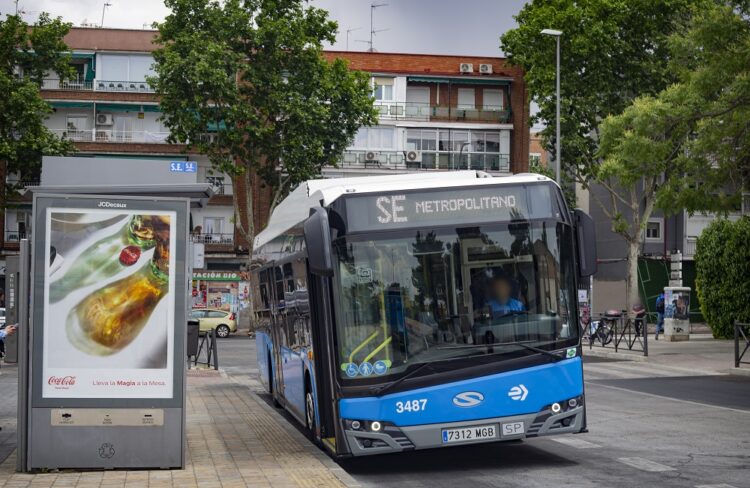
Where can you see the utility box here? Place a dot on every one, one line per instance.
(106, 362)
(677, 313)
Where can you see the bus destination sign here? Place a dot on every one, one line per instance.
(400, 210)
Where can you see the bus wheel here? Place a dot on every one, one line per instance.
(309, 411)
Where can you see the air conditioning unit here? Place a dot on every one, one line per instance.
(466, 68)
(413, 156)
(104, 119)
(372, 156)
(485, 69)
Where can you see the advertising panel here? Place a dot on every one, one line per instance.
(109, 302)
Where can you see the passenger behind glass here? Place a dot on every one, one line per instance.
(501, 302)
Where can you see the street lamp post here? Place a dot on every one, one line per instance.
(556, 34)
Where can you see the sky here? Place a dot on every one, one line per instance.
(469, 27)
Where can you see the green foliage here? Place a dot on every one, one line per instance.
(253, 71)
(611, 52)
(722, 262)
(27, 54)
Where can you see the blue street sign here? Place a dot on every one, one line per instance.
(183, 167)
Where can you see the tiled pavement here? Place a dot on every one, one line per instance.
(234, 440)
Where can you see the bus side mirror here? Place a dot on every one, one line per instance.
(586, 240)
(318, 242)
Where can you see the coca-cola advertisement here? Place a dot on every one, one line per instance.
(109, 303)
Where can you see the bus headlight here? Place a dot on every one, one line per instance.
(556, 408)
(375, 426)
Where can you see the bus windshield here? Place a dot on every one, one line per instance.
(416, 296)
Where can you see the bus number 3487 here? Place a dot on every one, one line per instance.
(411, 405)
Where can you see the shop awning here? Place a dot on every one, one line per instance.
(126, 107)
(464, 80)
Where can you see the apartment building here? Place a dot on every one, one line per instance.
(440, 113)
(437, 113)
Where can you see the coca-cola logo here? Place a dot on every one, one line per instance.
(61, 380)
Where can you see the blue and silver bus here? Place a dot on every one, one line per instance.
(417, 311)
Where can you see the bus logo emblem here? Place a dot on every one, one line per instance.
(518, 393)
(468, 399)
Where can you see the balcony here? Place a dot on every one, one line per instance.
(12, 239)
(439, 113)
(98, 85)
(426, 160)
(214, 242)
(110, 135)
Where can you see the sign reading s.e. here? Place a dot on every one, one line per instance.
(183, 167)
(399, 210)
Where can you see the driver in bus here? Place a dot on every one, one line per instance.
(502, 303)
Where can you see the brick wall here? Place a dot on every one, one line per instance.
(99, 96)
(130, 148)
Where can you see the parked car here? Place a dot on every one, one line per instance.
(212, 318)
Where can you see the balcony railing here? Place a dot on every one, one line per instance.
(98, 85)
(111, 135)
(426, 160)
(690, 247)
(222, 239)
(67, 85)
(119, 86)
(16, 236)
(427, 112)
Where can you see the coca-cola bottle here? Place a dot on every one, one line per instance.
(112, 317)
(100, 261)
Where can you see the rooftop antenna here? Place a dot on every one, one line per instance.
(373, 6)
(349, 31)
(19, 11)
(104, 9)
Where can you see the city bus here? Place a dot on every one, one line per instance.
(418, 311)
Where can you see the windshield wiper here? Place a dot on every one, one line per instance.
(517, 343)
(382, 390)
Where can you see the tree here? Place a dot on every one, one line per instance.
(28, 53)
(722, 265)
(613, 51)
(689, 146)
(253, 72)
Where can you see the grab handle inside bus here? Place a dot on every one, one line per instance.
(318, 242)
(586, 240)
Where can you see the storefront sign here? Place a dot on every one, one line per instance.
(217, 276)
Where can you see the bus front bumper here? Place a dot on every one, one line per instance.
(390, 438)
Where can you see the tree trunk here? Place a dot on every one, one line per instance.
(640, 218)
(242, 198)
(632, 295)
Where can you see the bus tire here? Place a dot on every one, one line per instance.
(309, 410)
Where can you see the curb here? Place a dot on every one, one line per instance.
(345, 478)
(737, 371)
(611, 354)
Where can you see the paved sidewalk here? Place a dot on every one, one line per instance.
(702, 354)
(234, 440)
